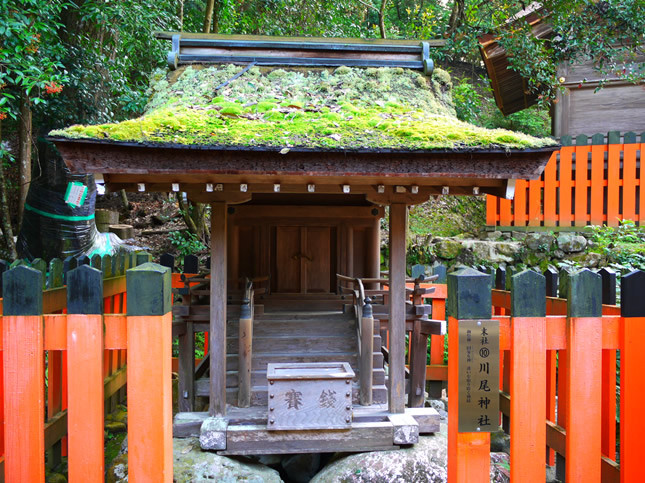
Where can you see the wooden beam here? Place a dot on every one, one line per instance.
(255, 439)
(303, 164)
(398, 223)
(217, 406)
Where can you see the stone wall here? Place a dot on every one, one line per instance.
(512, 248)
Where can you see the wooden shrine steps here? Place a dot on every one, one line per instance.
(304, 302)
(294, 335)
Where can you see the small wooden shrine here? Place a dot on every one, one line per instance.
(300, 146)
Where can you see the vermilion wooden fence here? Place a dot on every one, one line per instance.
(564, 355)
(55, 309)
(587, 182)
(84, 332)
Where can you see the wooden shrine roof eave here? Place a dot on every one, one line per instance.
(127, 158)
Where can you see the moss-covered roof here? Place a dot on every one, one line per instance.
(348, 108)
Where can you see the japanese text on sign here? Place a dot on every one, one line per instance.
(478, 376)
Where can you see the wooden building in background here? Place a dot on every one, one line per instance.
(592, 102)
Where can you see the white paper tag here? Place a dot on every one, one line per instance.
(76, 193)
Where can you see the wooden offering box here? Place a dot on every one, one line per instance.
(315, 395)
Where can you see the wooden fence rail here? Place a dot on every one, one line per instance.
(587, 182)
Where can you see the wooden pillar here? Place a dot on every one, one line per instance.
(245, 354)
(186, 369)
(149, 373)
(583, 381)
(632, 376)
(373, 264)
(396, 389)
(468, 453)
(85, 374)
(233, 241)
(367, 353)
(217, 406)
(350, 251)
(24, 374)
(527, 373)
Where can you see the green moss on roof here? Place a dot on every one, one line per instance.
(348, 108)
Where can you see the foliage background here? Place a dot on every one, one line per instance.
(88, 61)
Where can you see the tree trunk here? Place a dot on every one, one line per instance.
(24, 151)
(181, 15)
(456, 17)
(184, 209)
(7, 230)
(208, 16)
(381, 18)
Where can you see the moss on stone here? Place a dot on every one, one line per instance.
(348, 108)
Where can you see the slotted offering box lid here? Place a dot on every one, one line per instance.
(309, 370)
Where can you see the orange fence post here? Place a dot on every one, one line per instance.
(566, 184)
(629, 181)
(527, 376)
(598, 148)
(613, 178)
(491, 210)
(581, 181)
(550, 182)
(584, 385)
(632, 376)
(468, 453)
(24, 359)
(505, 216)
(85, 374)
(520, 216)
(149, 373)
(535, 202)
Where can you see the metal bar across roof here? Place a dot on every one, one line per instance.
(245, 44)
(319, 61)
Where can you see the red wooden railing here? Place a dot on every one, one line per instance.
(584, 183)
(86, 375)
(113, 366)
(571, 361)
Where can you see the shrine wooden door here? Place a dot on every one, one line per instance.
(303, 259)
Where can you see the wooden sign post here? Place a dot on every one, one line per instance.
(469, 299)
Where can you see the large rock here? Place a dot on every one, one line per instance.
(571, 243)
(193, 464)
(508, 249)
(588, 260)
(190, 463)
(448, 249)
(426, 462)
(118, 470)
(541, 242)
(500, 442)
